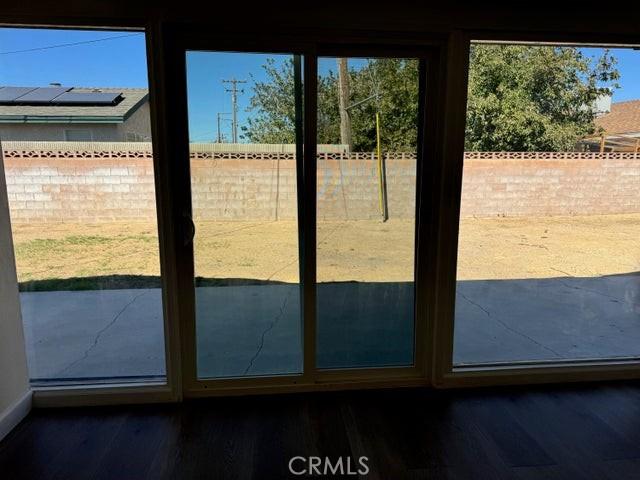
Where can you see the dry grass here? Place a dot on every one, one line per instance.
(117, 255)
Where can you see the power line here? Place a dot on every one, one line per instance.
(70, 44)
(220, 119)
(234, 103)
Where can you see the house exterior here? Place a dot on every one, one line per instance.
(623, 118)
(76, 114)
(618, 129)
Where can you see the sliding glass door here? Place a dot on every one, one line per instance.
(299, 217)
(314, 201)
(366, 211)
(242, 158)
(80, 172)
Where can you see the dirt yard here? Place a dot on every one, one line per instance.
(490, 248)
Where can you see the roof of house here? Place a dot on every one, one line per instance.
(623, 118)
(132, 99)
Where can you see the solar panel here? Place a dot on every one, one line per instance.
(56, 96)
(8, 94)
(87, 98)
(41, 95)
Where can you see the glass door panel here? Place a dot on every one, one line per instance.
(366, 204)
(242, 118)
(82, 198)
(547, 268)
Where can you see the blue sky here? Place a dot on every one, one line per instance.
(121, 62)
(118, 62)
(206, 93)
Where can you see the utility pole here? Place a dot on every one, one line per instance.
(234, 102)
(343, 102)
(220, 114)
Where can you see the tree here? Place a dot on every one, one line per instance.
(273, 105)
(524, 98)
(273, 101)
(394, 82)
(521, 98)
(387, 86)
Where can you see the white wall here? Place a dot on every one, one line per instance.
(52, 132)
(138, 123)
(14, 378)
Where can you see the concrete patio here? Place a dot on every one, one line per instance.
(255, 330)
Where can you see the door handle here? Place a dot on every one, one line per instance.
(188, 229)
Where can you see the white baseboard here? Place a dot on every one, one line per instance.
(14, 414)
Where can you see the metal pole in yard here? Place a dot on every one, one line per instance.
(382, 190)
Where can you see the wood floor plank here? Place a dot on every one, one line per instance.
(83, 454)
(515, 445)
(133, 447)
(561, 432)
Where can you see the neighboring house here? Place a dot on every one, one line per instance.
(58, 113)
(618, 129)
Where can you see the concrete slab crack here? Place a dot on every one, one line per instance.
(267, 330)
(96, 339)
(506, 326)
(477, 305)
(606, 295)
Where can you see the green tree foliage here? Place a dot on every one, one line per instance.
(273, 102)
(388, 86)
(521, 98)
(273, 105)
(394, 82)
(524, 98)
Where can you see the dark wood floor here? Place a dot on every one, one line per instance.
(525, 433)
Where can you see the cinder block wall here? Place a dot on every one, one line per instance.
(239, 189)
(80, 190)
(115, 183)
(572, 183)
(348, 188)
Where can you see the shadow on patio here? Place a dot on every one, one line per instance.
(252, 327)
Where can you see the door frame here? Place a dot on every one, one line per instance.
(176, 42)
(445, 373)
(438, 240)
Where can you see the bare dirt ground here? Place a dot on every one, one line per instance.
(545, 247)
(490, 248)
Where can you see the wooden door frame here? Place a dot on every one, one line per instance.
(179, 41)
(445, 374)
(437, 214)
